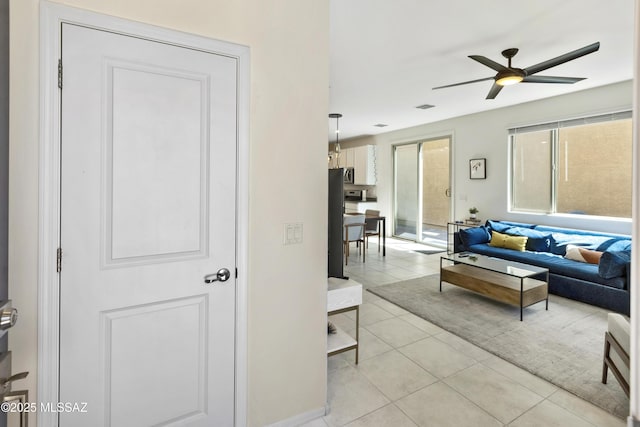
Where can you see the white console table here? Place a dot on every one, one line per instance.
(343, 296)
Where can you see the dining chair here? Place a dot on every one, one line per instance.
(353, 232)
(372, 227)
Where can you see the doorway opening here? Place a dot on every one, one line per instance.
(422, 192)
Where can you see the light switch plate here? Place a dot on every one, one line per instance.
(293, 233)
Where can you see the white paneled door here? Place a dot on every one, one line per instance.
(148, 209)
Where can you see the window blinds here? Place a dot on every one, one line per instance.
(609, 117)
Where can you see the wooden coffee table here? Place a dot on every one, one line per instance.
(502, 280)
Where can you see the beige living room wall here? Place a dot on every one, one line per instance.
(289, 42)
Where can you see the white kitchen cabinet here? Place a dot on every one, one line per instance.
(364, 165)
(351, 207)
(347, 158)
(363, 161)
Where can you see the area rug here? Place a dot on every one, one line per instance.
(430, 251)
(563, 345)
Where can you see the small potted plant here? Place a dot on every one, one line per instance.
(473, 211)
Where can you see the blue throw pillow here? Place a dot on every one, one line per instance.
(559, 242)
(537, 241)
(474, 236)
(615, 245)
(498, 226)
(614, 264)
(539, 244)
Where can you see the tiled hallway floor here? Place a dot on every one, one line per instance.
(413, 373)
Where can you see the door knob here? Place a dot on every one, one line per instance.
(8, 316)
(221, 275)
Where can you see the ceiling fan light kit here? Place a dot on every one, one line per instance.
(509, 79)
(509, 75)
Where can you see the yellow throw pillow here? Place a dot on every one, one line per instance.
(517, 243)
(499, 240)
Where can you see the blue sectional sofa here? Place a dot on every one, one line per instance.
(605, 284)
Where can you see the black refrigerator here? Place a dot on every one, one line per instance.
(336, 212)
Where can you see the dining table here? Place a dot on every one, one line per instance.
(383, 220)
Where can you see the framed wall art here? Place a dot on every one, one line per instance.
(478, 168)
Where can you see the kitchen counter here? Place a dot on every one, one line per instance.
(355, 204)
(359, 200)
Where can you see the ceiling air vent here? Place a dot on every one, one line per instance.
(381, 125)
(425, 106)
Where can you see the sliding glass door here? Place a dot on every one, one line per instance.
(406, 188)
(422, 195)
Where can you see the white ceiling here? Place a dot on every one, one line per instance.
(386, 56)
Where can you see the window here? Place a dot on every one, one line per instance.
(581, 167)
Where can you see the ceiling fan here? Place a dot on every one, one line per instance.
(510, 75)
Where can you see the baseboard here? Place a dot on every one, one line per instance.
(300, 419)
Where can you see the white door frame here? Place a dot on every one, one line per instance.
(52, 15)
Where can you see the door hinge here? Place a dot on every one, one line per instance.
(59, 260)
(60, 73)
(236, 272)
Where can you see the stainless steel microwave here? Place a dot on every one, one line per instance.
(348, 175)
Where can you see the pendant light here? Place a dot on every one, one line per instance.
(337, 146)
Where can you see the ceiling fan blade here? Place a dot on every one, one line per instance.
(551, 79)
(495, 90)
(562, 58)
(465, 83)
(488, 62)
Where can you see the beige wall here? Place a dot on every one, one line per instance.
(289, 44)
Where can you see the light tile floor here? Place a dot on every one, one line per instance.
(413, 373)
